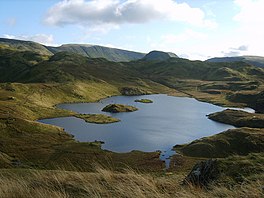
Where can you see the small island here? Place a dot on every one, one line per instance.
(144, 100)
(97, 118)
(116, 108)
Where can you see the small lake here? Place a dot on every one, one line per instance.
(156, 126)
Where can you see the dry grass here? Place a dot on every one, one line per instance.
(107, 183)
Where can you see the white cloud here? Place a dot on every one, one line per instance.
(39, 38)
(235, 51)
(251, 12)
(250, 20)
(240, 48)
(116, 12)
(230, 53)
(182, 37)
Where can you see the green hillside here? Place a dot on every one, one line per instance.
(177, 68)
(15, 65)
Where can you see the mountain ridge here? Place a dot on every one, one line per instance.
(254, 60)
(91, 51)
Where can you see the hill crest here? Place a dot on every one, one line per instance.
(159, 56)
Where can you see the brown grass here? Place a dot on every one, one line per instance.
(107, 183)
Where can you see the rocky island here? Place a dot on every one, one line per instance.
(116, 108)
(97, 118)
(144, 101)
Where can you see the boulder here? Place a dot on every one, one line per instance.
(203, 173)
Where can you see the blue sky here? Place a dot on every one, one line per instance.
(194, 29)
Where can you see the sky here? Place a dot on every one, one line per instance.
(193, 29)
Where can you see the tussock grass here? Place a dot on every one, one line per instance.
(107, 183)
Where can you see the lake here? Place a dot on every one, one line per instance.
(156, 126)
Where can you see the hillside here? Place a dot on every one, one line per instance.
(15, 64)
(253, 60)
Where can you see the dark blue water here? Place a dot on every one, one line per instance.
(157, 126)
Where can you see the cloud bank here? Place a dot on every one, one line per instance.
(117, 12)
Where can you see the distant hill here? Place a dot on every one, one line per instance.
(177, 68)
(25, 46)
(159, 56)
(253, 60)
(91, 51)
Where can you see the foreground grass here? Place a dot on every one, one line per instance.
(107, 183)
